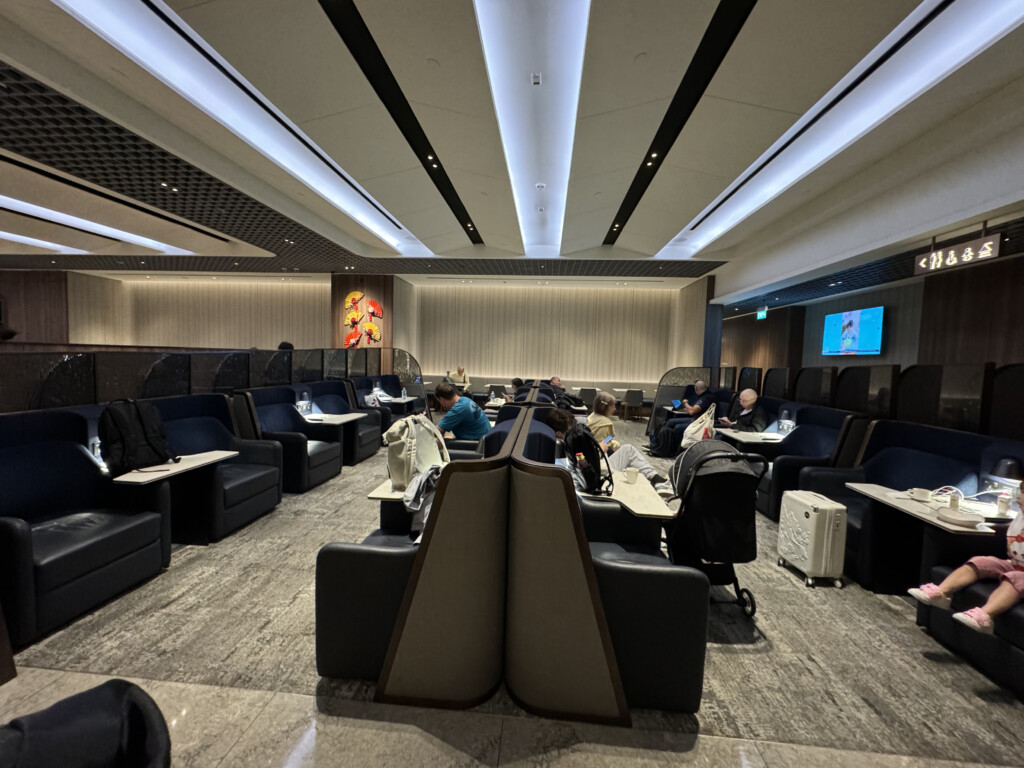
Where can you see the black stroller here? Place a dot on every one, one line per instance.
(715, 528)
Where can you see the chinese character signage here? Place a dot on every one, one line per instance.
(962, 255)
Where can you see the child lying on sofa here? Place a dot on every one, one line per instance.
(1010, 573)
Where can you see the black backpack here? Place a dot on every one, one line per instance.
(586, 456)
(663, 443)
(563, 402)
(132, 436)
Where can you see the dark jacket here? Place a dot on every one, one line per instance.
(754, 421)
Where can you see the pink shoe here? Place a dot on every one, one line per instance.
(930, 594)
(976, 619)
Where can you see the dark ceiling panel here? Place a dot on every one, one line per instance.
(725, 25)
(349, 25)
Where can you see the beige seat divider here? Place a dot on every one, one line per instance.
(447, 646)
(559, 659)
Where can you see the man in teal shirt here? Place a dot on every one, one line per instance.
(465, 419)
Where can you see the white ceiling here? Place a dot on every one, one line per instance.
(788, 54)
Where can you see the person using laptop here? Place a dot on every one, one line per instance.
(464, 419)
(702, 400)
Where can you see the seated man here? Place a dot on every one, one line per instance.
(619, 460)
(516, 384)
(459, 379)
(702, 401)
(465, 419)
(747, 415)
(556, 384)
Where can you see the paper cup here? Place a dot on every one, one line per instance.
(631, 474)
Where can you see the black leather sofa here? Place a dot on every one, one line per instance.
(210, 502)
(824, 437)
(70, 538)
(363, 437)
(312, 452)
(883, 545)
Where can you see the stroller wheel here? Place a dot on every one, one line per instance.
(747, 602)
(809, 582)
(782, 562)
(838, 583)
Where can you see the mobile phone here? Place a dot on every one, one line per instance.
(607, 440)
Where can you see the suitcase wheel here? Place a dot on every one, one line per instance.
(809, 582)
(838, 583)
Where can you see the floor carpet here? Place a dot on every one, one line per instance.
(825, 667)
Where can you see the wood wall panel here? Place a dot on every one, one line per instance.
(36, 304)
(580, 334)
(775, 342)
(902, 324)
(96, 310)
(379, 288)
(227, 315)
(973, 315)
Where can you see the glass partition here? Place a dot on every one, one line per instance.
(307, 365)
(33, 380)
(219, 372)
(141, 375)
(335, 364)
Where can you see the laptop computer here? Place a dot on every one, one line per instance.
(676, 403)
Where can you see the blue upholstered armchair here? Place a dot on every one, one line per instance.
(210, 502)
(312, 452)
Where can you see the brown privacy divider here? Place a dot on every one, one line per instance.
(777, 383)
(559, 659)
(868, 389)
(448, 642)
(952, 396)
(750, 378)
(815, 385)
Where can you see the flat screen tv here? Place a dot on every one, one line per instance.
(857, 332)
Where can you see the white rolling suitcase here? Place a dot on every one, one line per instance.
(812, 536)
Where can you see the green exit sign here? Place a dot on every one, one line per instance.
(762, 314)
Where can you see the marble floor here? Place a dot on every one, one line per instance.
(224, 642)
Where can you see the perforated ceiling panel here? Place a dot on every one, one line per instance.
(47, 127)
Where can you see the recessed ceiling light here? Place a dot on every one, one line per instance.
(142, 262)
(654, 154)
(148, 277)
(236, 263)
(839, 282)
(831, 285)
(943, 45)
(52, 261)
(163, 183)
(46, 244)
(20, 206)
(649, 162)
(157, 39)
(525, 111)
(430, 157)
(434, 165)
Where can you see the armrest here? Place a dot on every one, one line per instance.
(605, 520)
(372, 416)
(328, 433)
(258, 451)
(153, 497)
(359, 589)
(658, 620)
(786, 470)
(464, 455)
(17, 579)
(456, 444)
(830, 482)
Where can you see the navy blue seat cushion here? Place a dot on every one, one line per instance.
(243, 481)
(321, 452)
(332, 404)
(197, 434)
(809, 440)
(614, 552)
(1009, 626)
(279, 417)
(65, 548)
(35, 480)
(540, 442)
(380, 538)
(902, 468)
(495, 439)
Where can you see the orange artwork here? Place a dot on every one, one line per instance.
(352, 340)
(375, 309)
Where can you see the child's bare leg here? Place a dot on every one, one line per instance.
(960, 578)
(1002, 599)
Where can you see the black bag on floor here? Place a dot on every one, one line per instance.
(116, 724)
(586, 456)
(132, 436)
(663, 443)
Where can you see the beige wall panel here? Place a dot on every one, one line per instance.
(687, 347)
(406, 317)
(95, 310)
(580, 334)
(232, 315)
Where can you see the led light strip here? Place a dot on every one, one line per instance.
(141, 35)
(58, 217)
(956, 36)
(11, 237)
(523, 43)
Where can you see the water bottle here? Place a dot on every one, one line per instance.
(404, 393)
